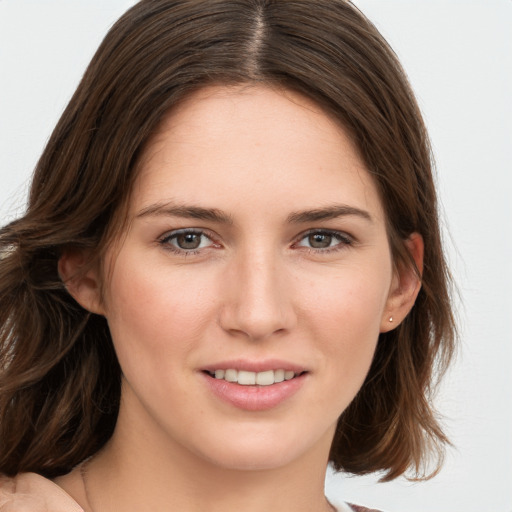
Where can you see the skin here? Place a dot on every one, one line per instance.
(266, 281)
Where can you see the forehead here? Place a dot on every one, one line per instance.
(258, 144)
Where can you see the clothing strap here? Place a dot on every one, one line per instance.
(358, 508)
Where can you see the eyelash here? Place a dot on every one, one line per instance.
(343, 238)
(165, 241)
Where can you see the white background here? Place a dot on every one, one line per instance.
(458, 55)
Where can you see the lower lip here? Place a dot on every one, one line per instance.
(254, 398)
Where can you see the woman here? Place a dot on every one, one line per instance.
(230, 270)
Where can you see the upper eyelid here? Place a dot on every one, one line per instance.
(215, 238)
(340, 233)
(172, 232)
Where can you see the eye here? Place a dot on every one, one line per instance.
(323, 240)
(186, 240)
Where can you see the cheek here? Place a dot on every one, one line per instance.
(344, 317)
(155, 312)
(351, 300)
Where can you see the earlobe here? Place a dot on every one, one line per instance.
(81, 280)
(405, 286)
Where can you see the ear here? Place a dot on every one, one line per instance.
(405, 286)
(81, 280)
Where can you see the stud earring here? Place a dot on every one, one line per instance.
(391, 319)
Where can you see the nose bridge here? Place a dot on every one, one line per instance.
(258, 303)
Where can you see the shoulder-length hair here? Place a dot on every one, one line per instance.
(60, 379)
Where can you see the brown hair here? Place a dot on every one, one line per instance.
(60, 379)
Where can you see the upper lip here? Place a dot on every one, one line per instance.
(254, 366)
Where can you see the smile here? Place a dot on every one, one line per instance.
(248, 378)
(254, 390)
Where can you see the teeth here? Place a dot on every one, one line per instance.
(278, 375)
(245, 378)
(265, 378)
(231, 375)
(288, 375)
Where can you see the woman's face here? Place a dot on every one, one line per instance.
(257, 251)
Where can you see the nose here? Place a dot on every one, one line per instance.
(257, 299)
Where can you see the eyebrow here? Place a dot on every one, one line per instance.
(329, 212)
(215, 215)
(186, 212)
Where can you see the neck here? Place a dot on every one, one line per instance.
(131, 475)
(131, 482)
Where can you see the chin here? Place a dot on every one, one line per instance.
(257, 460)
(262, 451)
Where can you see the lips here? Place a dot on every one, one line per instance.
(254, 386)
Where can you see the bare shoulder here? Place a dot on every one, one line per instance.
(6, 483)
(15, 494)
(29, 491)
